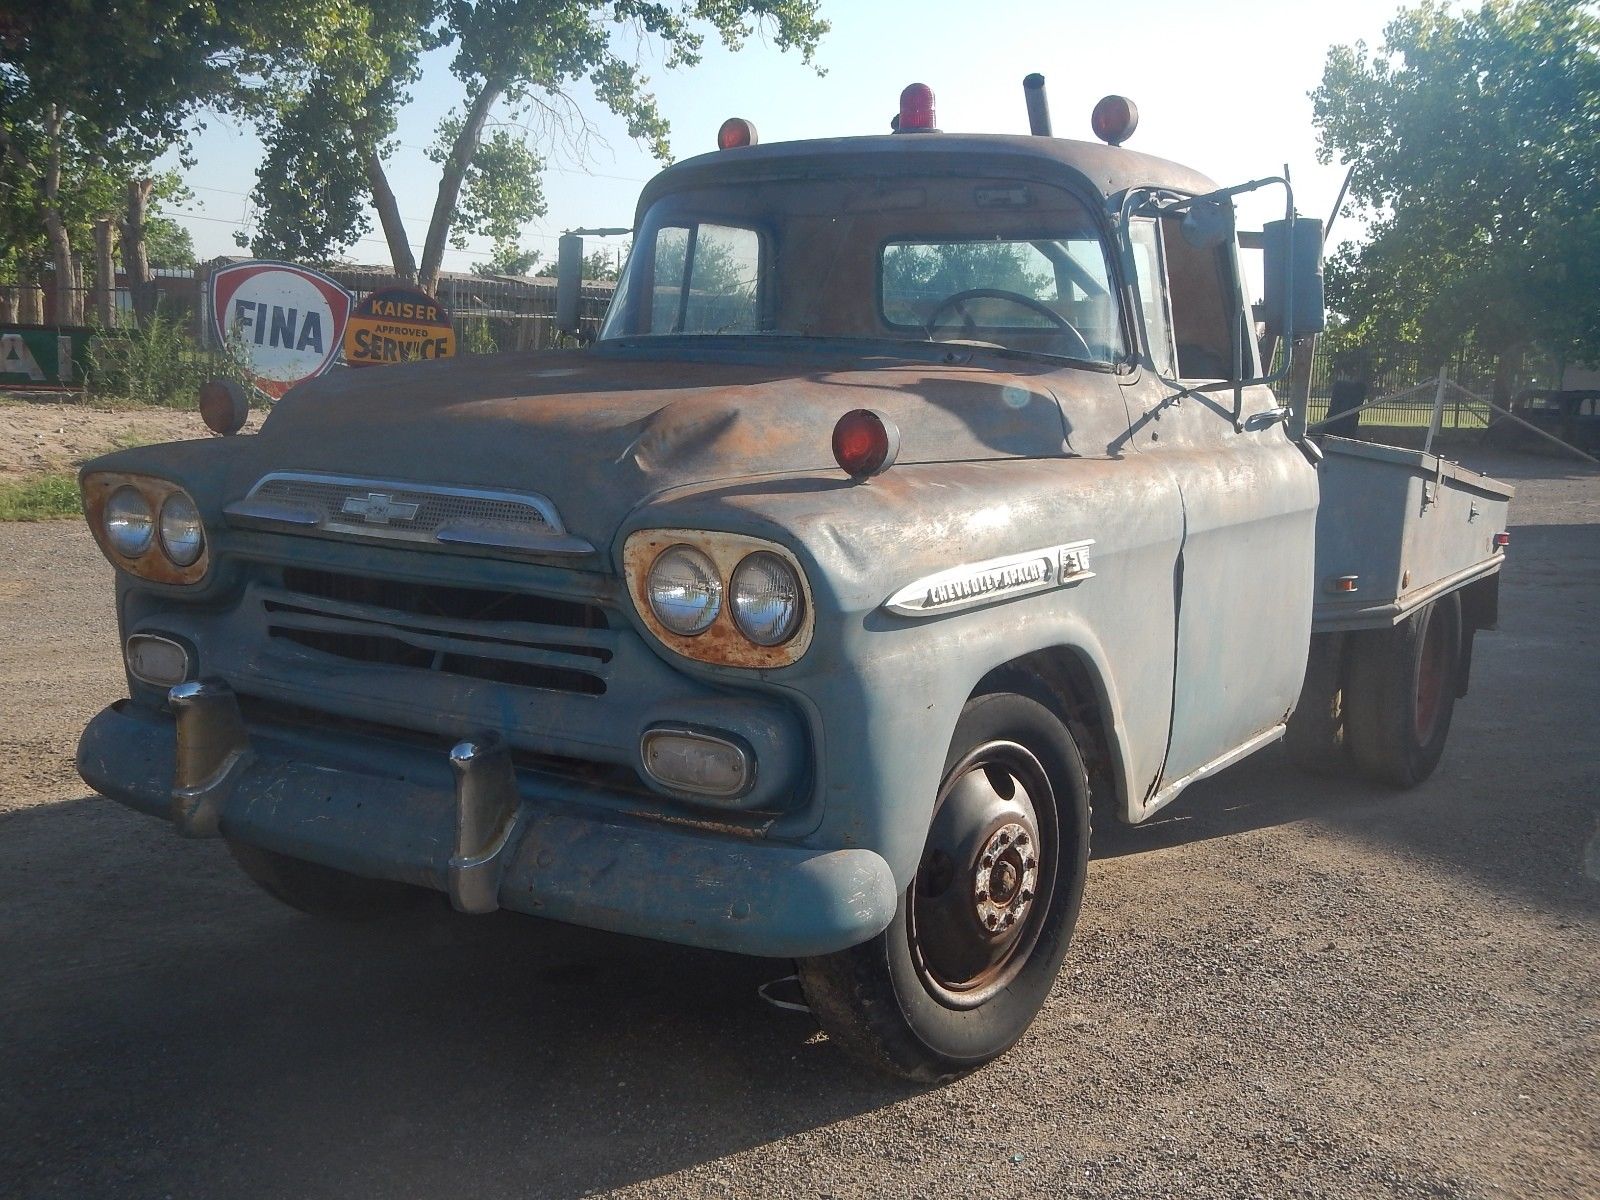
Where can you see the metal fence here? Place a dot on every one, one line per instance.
(489, 313)
(174, 290)
(1362, 376)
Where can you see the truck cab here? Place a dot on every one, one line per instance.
(921, 493)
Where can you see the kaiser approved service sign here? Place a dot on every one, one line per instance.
(398, 325)
(287, 320)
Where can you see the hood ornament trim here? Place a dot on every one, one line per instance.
(394, 510)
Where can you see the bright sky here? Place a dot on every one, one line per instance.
(1221, 86)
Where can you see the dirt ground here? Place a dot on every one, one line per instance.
(40, 433)
(1283, 987)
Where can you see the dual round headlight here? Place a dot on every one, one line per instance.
(131, 526)
(764, 594)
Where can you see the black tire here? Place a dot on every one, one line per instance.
(1315, 739)
(1400, 693)
(921, 1005)
(323, 891)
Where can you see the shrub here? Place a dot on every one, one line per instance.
(159, 364)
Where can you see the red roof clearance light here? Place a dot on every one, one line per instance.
(865, 443)
(736, 132)
(916, 110)
(1114, 120)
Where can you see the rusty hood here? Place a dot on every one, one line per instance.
(599, 432)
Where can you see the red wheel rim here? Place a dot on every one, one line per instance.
(1431, 670)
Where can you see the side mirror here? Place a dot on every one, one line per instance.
(1292, 277)
(569, 281)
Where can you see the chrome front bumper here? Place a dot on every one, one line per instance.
(472, 828)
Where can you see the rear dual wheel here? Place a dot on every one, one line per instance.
(980, 934)
(1400, 693)
(1379, 702)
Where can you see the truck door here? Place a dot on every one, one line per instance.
(1248, 498)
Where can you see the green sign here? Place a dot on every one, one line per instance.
(30, 354)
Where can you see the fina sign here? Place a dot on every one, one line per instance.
(288, 320)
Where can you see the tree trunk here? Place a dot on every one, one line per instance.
(30, 305)
(394, 229)
(455, 171)
(105, 275)
(54, 227)
(1506, 365)
(135, 257)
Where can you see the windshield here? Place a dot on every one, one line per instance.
(1016, 266)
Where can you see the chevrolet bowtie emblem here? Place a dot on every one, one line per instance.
(379, 508)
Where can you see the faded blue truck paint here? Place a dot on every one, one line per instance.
(1185, 645)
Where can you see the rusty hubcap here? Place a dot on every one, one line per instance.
(983, 887)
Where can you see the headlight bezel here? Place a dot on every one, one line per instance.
(152, 562)
(723, 642)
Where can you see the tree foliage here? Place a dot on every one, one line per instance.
(1475, 139)
(599, 266)
(92, 93)
(522, 66)
(510, 261)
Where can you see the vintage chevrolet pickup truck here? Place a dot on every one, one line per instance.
(920, 493)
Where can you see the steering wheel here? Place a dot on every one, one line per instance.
(958, 300)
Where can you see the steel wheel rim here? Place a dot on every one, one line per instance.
(991, 855)
(1431, 671)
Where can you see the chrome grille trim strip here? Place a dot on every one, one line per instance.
(393, 510)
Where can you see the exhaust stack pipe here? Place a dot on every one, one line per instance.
(1038, 106)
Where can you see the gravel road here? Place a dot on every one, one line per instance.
(1283, 987)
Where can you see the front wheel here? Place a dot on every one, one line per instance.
(979, 935)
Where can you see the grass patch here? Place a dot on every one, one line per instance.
(42, 498)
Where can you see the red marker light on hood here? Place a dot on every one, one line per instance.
(736, 132)
(865, 443)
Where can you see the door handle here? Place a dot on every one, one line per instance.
(1256, 422)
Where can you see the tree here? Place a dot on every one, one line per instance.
(1475, 139)
(518, 62)
(511, 261)
(91, 92)
(599, 266)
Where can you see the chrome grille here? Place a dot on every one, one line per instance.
(517, 638)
